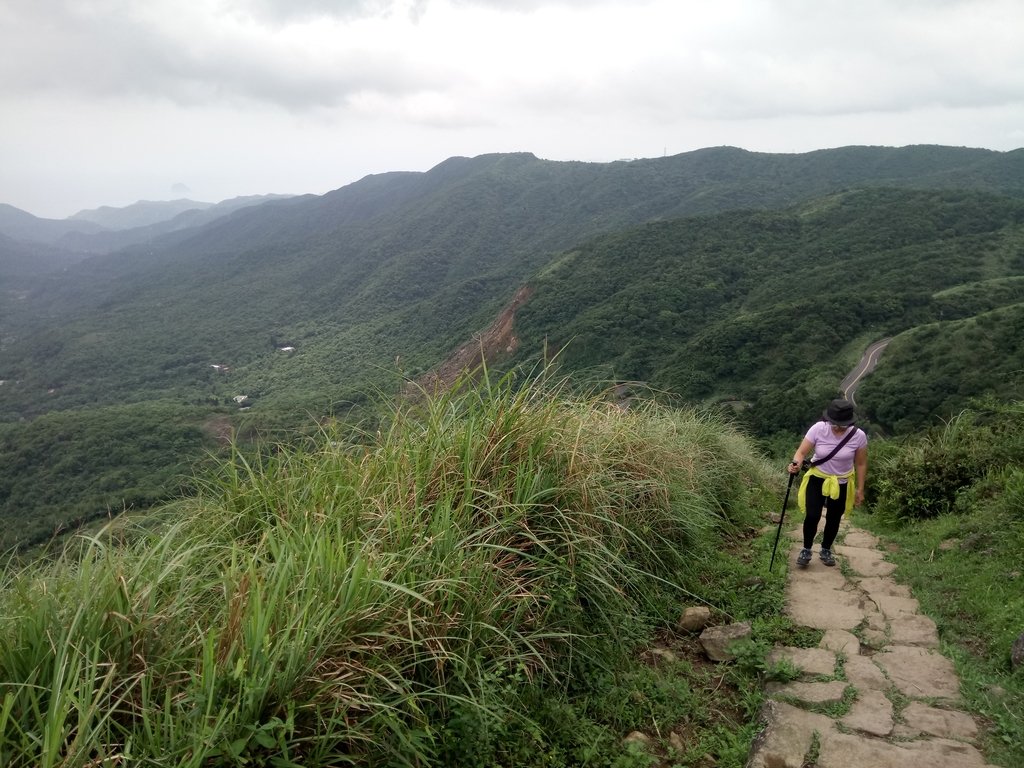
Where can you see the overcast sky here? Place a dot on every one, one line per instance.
(105, 102)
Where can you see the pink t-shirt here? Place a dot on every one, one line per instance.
(825, 440)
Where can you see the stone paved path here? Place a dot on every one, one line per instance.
(878, 651)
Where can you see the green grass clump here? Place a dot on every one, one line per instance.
(424, 595)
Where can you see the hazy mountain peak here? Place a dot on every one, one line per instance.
(139, 214)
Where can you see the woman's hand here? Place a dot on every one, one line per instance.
(793, 467)
(858, 497)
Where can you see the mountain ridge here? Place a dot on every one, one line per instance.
(701, 274)
(425, 257)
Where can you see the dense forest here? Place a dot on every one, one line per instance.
(721, 278)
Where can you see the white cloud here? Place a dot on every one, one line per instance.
(141, 89)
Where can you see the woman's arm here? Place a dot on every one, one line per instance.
(806, 446)
(860, 463)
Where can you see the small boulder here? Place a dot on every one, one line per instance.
(694, 619)
(718, 641)
(1017, 652)
(638, 738)
(654, 656)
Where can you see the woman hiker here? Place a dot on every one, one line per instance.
(840, 459)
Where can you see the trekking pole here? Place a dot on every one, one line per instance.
(782, 516)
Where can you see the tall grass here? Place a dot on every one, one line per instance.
(398, 599)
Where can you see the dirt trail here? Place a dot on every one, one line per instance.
(878, 648)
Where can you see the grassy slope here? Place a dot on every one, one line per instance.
(951, 501)
(471, 585)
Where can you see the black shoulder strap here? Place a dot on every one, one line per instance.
(835, 450)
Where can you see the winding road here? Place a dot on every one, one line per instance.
(866, 365)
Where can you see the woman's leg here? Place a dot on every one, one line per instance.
(834, 509)
(812, 515)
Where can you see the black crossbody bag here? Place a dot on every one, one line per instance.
(833, 452)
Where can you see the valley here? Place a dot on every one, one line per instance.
(716, 277)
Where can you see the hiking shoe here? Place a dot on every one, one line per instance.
(804, 557)
(826, 557)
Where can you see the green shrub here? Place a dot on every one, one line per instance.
(925, 476)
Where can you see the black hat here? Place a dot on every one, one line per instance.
(840, 413)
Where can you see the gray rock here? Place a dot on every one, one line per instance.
(694, 619)
(639, 738)
(718, 641)
(654, 656)
(1017, 652)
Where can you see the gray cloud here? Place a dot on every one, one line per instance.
(97, 85)
(772, 58)
(109, 49)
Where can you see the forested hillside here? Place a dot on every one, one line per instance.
(717, 276)
(770, 309)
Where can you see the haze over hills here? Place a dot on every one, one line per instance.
(23, 226)
(139, 214)
(107, 229)
(719, 275)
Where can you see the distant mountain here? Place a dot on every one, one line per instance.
(203, 213)
(140, 214)
(21, 225)
(107, 229)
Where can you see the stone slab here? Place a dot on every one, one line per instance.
(866, 562)
(841, 750)
(858, 537)
(913, 630)
(809, 693)
(810, 661)
(816, 571)
(871, 713)
(874, 638)
(920, 673)
(875, 619)
(840, 641)
(864, 675)
(878, 585)
(919, 718)
(893, 607)
(810, 604)
(786, 736)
